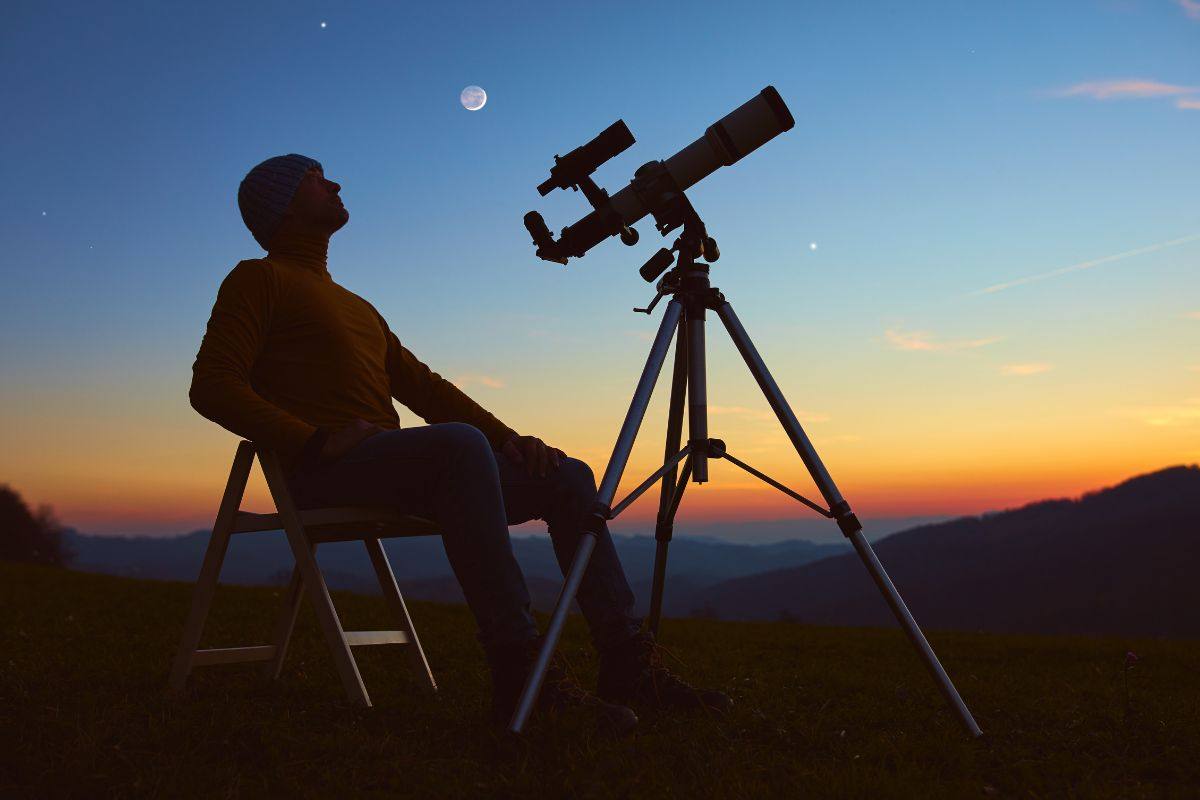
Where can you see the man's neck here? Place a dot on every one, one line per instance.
(307, 250)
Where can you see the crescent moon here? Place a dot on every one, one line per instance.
(473, 98)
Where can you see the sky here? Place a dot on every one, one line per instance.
(971, 266)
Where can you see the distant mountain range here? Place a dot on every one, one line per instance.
(424, 573)
(1122, 560)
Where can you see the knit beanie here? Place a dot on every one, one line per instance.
(266, 191)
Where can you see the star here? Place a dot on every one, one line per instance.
(43, 213)
(812, 245)
(322, 24)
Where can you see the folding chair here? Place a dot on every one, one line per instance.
(305, 530)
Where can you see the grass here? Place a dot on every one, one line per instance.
(820, 711)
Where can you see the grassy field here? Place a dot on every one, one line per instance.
(820, 711)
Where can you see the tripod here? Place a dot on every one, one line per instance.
(692, 296)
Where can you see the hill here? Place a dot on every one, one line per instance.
(820, 711)
(1122, 560)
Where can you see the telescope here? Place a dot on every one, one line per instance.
(657, 187)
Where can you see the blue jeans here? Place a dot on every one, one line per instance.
(448, 473)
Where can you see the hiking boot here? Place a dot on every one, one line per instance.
(510, 666)
(633, 674)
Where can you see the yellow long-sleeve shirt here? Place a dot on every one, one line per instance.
(287, 350)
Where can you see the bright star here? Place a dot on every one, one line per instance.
(812, 245)
(322, 24)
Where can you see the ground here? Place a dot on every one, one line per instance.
(820, 711)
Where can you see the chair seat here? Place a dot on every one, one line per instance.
(343, 523)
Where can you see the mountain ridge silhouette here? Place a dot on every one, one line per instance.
(1117, 560)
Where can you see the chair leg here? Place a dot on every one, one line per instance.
(391, 593)
(287, 621)
(210, 570)
(314, 582)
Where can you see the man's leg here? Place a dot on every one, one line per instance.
(562, 497)
(445, 472)
(631, 668)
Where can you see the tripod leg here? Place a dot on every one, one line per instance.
(599, 513)
(666, 516)
(697, 392)
(841, 509)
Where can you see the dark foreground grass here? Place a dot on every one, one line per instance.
(820, 711)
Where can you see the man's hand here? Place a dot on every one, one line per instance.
(345, 438)
(533, 453)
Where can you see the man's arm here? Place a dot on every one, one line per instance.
(432, 397)
(221, 389)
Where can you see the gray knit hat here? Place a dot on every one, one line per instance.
(266, 191)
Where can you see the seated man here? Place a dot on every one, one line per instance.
(296, 362)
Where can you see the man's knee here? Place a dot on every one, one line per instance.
(576, 478)
(465, 437)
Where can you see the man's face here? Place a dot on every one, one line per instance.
(316, 205)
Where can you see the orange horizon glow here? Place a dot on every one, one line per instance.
(165, 508)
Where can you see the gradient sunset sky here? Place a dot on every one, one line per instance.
(1002, 304)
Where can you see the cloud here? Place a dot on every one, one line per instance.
(923, 340)
(1192, 314)
(1150, 248)
(1136, 88)
(1188, 103)
(1162, 416)
(1190, 7)
(767, 415)
(1026, 369)
(464, 381)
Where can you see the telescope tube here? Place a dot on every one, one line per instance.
(738, 133)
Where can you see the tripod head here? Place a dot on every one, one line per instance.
(693, 243)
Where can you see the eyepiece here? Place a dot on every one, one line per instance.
(537, 229)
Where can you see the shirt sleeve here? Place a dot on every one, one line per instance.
(221, 389)
(432, 397)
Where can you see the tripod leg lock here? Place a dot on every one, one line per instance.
(846, 519)
(594, 521)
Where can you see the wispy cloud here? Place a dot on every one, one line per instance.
(923, 340)
(1190, 7)
(1180, 414)
(463, 381)
(1150, 248)
(1124, 88)
(765, 415)
(1188, 103)
(1026, 369)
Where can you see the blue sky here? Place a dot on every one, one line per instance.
(938, 149)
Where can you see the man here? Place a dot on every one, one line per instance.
(292, 360)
